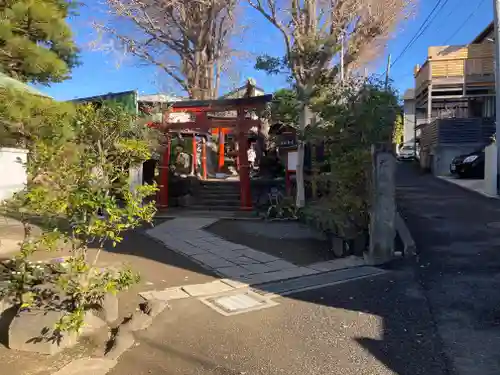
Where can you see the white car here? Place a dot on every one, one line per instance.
(406, 152)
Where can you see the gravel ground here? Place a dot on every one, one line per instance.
(289, 240)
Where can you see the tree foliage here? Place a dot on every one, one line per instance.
(314, 32)
(398, 130)
(26, 119)
(36, 42)
(354, 116)
(285, 107)
(69, 182)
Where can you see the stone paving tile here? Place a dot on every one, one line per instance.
(225, 253)
(232, 272)
(260, 256)
(276, 275)
(165, 295)
(226, 245)
(243, 260)
(199, 242)
(257, 268)
(279, 265)
(214, 287)
(213, 261)
(338, 264)
(189, 249)
(235, 283)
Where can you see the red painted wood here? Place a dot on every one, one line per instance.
(221, 149)
(244, 166)
(204, 158)
(164, 170)
(207, 125)
(195, 156)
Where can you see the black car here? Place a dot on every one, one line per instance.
(469, 165)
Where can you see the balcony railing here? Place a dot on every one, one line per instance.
(476, 60)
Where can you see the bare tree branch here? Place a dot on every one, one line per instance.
(188, 39)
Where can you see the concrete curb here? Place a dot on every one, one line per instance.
(235, 218)
(481, 193)
(409, 247)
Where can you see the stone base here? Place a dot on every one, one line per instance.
(33, 331)
(108, 311)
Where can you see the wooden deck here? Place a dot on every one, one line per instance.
(456, 66)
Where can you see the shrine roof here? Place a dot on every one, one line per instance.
(222, 104)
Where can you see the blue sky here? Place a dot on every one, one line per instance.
(101, 74)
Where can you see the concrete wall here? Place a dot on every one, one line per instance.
(409, 121)
(12, 171)
(490, 170)
(442, 155)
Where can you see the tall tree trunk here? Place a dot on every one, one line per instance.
(304, 117)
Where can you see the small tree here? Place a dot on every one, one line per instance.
(313, 32)
(37, 43)
(26, 119)
(398, 130)
(69, 182)
(354, 117)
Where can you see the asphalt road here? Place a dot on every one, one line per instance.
(376, 326)
(457, 233)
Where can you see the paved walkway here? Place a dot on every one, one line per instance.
(228, 259)
(457, 233)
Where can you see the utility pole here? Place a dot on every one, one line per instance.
(342, 56)
(496, 10)
(388, 70)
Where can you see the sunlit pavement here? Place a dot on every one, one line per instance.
(370, 326)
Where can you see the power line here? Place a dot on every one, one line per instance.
(466, 20)
(425, 25)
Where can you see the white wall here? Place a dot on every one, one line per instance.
(13, 177)
(409, 121)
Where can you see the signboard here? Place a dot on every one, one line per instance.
(287, 140)
(292, 160)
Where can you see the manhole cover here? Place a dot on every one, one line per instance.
(237, 303)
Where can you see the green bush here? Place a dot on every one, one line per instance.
(70, 179)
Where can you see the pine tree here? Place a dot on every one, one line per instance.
(36, 42)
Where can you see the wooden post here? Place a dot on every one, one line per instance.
(221, 149)
(244, 167)
(164, 171)
(195, 157)
(204, 158)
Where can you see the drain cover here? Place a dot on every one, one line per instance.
(237, 303)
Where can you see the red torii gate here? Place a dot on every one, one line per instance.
(204, 123)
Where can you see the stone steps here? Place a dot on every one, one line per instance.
(218, 196)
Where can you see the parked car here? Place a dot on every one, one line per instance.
(469, 165)
(406, 152)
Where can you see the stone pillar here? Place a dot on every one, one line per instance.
(383, 206)
(244, 167)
